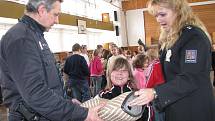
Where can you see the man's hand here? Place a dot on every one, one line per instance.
(93, 113)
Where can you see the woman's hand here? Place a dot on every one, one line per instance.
(144, 96)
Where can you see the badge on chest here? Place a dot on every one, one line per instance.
(191, 56)
(168, 55)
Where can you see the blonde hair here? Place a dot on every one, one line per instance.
(152, 53)
(185, 16)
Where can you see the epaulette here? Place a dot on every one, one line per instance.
(188, 27)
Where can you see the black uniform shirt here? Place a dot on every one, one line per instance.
(186, 66)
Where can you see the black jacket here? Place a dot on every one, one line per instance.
(187, 94)
(76, 67)
(114, 91)
(29, 74)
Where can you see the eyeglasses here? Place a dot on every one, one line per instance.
(121, 71)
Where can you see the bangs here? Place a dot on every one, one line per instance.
(119, 66)
(153, 6)
(120, 63)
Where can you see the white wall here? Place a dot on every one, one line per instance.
(62, 37)
(5, 24)
(135, 26)
(123, 30)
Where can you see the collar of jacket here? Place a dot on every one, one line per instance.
(33, 24)
(125, 88)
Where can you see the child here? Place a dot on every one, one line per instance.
(96, 71)
(153, 72)
(140, 62)
(121, 80)
(154, 77)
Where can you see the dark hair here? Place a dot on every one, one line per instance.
(136, 52)
(105, 54)
(76, 47)
(99, 46)
(83, 46)
(128, 52)
(120, 50)
(139, 61)
(33, 5)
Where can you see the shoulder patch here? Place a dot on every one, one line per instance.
(191, 56)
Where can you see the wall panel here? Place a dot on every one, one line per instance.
(205, 12)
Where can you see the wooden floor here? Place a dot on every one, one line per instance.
(3, 113)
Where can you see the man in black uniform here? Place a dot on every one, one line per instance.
(32, 88)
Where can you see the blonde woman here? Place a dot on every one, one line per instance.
(186, 61)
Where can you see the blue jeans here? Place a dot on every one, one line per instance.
(80, 89)
(97, 82)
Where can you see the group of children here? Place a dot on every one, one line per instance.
(144, 72)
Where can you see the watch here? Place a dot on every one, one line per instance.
(155, 93)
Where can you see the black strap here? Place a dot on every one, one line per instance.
(26, 113)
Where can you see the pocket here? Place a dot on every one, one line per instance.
(48, 58)
(52, 76)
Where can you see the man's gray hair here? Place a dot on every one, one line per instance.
(32, 5)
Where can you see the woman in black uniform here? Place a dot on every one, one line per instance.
(186, 61)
